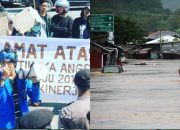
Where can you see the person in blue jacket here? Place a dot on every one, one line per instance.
(13, 97)
(34, 92)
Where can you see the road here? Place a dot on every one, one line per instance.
(142, 97)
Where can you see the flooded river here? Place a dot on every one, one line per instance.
(143, 96)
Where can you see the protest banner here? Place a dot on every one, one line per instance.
(62, 58)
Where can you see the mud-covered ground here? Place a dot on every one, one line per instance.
(144, 96)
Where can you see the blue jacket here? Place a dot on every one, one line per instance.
(34, 92)
(7, 114)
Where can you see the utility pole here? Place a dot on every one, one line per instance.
(161, 55)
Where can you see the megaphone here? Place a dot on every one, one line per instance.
(37, 70)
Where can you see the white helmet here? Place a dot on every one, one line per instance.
(63, 3)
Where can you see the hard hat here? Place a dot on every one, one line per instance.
(63, 3)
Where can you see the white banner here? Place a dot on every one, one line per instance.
(62, 58)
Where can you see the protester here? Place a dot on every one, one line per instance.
(10, 25)
(81, 26)
(36, 31)
(2, 9)
(35, 28)
(34, 92)
(45, 16)
(13, 97)
(62, 22)
(74, 115)
(36, 119)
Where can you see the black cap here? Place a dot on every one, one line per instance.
(36, 119)
(82, 79)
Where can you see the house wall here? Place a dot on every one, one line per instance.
(171, 48)
(96, 60)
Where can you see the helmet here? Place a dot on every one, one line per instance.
(8, 55)
(63, 3)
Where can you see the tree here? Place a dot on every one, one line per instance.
(174, 20)
(127, 31)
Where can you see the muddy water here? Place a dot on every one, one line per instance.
(144, 96)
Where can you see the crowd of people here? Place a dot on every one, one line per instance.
(60, 25)
(14, 89)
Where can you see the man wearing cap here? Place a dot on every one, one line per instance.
(61, 24)
(81, 26)
(36, 119)
(13, 98)
(74, 115)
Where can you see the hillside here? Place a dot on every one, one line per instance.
(152, 6)
(148, 14)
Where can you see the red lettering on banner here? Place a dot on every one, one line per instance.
(20, 47)
(52, 89)
(63, 68)
(72, 48)
(42, 49)
(49, 78)
(58, 89)
(71, 68)
(67, 89)
(31, 51)
(42, 88)
(82, 54)
(52, 67)
(24, 64)
(60, 52)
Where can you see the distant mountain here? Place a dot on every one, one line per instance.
(171, 4)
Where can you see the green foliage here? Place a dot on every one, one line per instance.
(127, 31)
(136, 18)
(148, 14)
(174, 20)
(131, 5)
